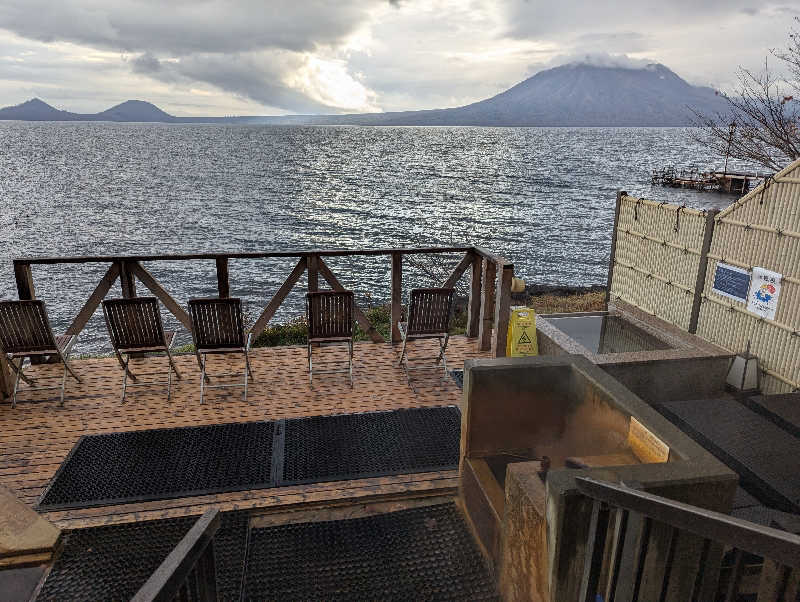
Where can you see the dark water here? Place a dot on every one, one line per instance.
(542, 197)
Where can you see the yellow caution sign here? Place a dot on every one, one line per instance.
(521, 340)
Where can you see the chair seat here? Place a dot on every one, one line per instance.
(220, 349)
(329, 339)
(169, 336)
(403, 327)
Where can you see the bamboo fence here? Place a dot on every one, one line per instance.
(761, 229)
(657, 257)
(665, 258)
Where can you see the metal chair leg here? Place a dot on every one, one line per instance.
(310, 367)
(19, 371)
(350, 364)
(169, 381)
(16, 385)
(202, 377)
(125, 373)
(246, 374)
(63, 386)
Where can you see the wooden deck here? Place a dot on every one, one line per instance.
(37, 435)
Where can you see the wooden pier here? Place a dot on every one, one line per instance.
(721, 181)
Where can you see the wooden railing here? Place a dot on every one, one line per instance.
(624, 521)
(189, 572)
(488, 309)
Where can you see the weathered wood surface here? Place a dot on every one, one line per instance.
(362, 320)
(223, 281)
(487, 305)
(99, 293)
(37, 436)
(280, 295)
(175, 308)
(397, 296)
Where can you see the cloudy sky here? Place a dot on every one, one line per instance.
(225, 57)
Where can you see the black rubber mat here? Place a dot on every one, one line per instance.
(163, 463)
(764, 455)
(783, 410)
(166, 463)
(112, 563)
(419, 554)
(349, 446)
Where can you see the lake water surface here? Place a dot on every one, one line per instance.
(542, 197)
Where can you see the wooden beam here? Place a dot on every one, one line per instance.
(474, 312)
(171, 304)
(397, 295)
(360, 317)
(24, 277)
(223, 283)
(613, 256)
(702, 269)
(502, 312)
(99, 293)
(276, 301)
(458, 271)
(127, 279)
(313, 273)
(487, 305)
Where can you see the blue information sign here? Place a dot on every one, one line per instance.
(731, 282)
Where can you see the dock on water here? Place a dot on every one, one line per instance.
(721, 181)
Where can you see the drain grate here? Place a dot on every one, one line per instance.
(419, 554)
(162, 463)
(112, 563)
(351, 446)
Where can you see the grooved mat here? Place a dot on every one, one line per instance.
(169, 463)
(112, 563)
(418, 554)
(763, 454)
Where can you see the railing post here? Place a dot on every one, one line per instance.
(702, 268)
(24, 276)
(313, 273)
(127, 280)
(487, 305)
(474, 312)
(397, 294)
(223, 284)
(502, 309)
(620, 194)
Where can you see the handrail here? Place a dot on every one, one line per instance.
(246, 255)
(490, 290)
(194, 551)
(764, 541)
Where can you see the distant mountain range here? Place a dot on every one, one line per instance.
(570, 95)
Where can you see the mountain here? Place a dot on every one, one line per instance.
(576, 94)
(36, 110)
(134, 110)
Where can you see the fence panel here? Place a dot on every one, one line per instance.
(761, 229)
(657, 257)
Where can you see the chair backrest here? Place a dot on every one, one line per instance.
(24, 326)
(134, 323)
(330, 314)
(217, 323)
(430, 310)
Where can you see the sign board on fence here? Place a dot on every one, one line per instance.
(648, 448)
(521, 340)
(765, 288)
(731, 282)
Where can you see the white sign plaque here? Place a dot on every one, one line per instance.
(765, 288)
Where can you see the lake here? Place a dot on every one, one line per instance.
(542, 197)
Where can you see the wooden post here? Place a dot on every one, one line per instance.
(397, 295)
(313, 273)
(6, 386)
(620, 194)
(24, 276)
(502, 309)
(702, 268)
(127, 280)
(487, 305)
(474, 315)
(223, 284)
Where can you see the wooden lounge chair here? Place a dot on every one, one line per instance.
(330, 320)
(134, 326)
(25, 332)
(429, 316)
(217, 327)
